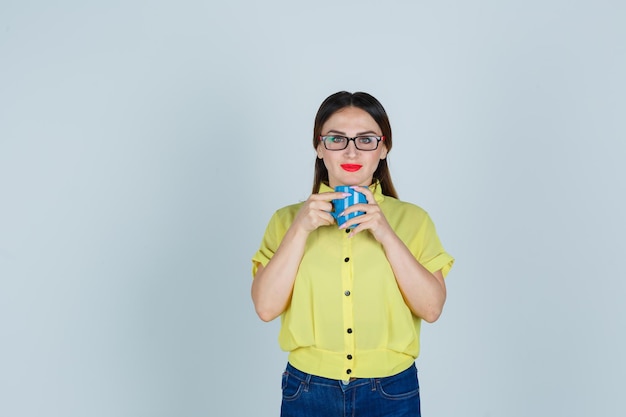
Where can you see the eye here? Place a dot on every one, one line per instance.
(336, 139)
(366, 140)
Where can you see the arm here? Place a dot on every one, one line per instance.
(424, 292)
(272, 285)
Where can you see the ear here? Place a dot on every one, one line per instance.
(383, 152)
(320, 151)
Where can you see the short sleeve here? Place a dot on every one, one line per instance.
(427, 248)
(274, 233)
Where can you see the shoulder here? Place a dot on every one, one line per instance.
(280, 222)
(411, 222)
(286, 214)
(289, 210)
(394, 207)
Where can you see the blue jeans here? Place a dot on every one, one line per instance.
(306, 395)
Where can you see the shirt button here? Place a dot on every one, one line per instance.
(349, 330)
(349, 357)
(348, 230)
(346, 260)
(348, 371)
(346, 293)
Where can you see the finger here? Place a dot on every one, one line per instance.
(330, 219)
(325, 218)
(354, 229)
(316, 218)
(359, 221)
(325, 206)
(362, 207)
(366, 191)
(331, 195)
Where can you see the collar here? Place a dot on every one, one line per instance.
(375, 188)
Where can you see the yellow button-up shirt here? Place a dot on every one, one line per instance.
(347, 317)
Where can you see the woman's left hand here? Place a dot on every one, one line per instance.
(373, 218)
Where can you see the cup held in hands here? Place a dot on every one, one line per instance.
(340, 205)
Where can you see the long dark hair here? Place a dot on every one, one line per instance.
(365, 102)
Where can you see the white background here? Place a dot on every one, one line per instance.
(144, 145)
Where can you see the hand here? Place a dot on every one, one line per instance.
(315, 211)
(373, 218)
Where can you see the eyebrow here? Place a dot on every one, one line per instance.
(339, 132)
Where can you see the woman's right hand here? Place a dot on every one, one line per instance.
(316, 211)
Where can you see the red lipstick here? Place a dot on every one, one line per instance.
(351, 167)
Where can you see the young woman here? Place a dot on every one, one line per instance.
(351, 298)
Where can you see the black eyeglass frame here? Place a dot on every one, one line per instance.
(322, 138)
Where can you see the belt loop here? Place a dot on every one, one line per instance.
(373, 382)
(307, 382)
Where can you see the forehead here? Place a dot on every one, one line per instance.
(351, 120)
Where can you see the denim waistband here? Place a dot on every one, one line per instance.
(312, 379)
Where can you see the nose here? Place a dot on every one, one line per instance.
(351, 149)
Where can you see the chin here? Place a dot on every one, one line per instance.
(350, 180)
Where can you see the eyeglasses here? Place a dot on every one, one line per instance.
(362, 143)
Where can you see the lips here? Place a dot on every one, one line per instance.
(351, 167)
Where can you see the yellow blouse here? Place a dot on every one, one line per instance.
(347, 317)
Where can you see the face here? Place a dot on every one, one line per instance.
(351, 166)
